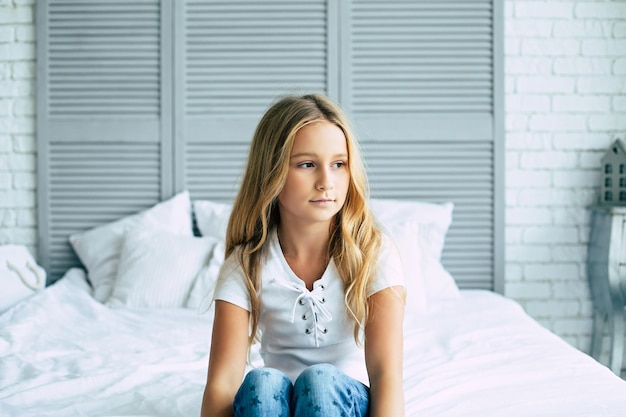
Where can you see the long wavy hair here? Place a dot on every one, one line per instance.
(354, 237)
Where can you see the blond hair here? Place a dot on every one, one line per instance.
(355, 239)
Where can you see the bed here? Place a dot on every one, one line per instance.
(121, 337)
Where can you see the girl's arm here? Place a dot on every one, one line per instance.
(384, 352)
(227, 362)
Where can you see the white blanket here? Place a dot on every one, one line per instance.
(64, 354)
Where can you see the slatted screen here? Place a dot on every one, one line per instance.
(99, 118)
(141, 99)
(423, 57)
(419, 85)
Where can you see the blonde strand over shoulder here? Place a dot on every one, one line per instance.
(358, 258)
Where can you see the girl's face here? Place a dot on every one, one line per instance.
(319, 176)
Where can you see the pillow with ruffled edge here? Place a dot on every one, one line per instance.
(157, 269)
(99, 248)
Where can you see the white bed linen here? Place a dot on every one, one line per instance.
(482, 355)
(64, 354)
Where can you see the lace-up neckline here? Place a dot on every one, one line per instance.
(313, 302)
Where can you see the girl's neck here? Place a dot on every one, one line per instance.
(306, 251)
(304, 243)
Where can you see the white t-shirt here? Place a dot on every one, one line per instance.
(300, 328)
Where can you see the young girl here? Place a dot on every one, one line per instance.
(309, 273)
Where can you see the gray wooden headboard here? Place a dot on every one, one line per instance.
(137, 100)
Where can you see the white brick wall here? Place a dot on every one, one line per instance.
(565, 103)
(17, 123)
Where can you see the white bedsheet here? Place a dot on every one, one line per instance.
(483, 356)
(64, 354)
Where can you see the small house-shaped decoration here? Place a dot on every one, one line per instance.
(613, 176)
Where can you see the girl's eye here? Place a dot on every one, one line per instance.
(339, 164)
(306, 165)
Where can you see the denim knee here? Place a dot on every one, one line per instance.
(264, 391)
(324, 391)
(322, 375)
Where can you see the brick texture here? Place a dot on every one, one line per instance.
(564, 69)
(17, 124)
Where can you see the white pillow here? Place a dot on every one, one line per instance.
(201, 296)
(437, 217)
(157, 269)
(212, 217)
(403, 235)
(438, 283)
(432, 222)
(99, 248)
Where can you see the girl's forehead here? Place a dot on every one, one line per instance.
(320, 134)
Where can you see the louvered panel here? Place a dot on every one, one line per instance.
(421, 56)
(214, 169)
(104, 58)
(105, 151)
(95, 183)
(241, 54)
(415, 76)
(439, 172)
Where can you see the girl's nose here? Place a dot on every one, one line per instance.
(324, 181)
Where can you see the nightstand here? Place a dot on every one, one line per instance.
(606, 270)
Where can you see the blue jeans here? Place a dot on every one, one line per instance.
(320, 390)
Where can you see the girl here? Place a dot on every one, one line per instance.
(308, 272)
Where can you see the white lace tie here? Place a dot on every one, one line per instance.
(315, 300)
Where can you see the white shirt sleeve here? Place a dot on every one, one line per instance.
(389, 270)
(231, 284)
